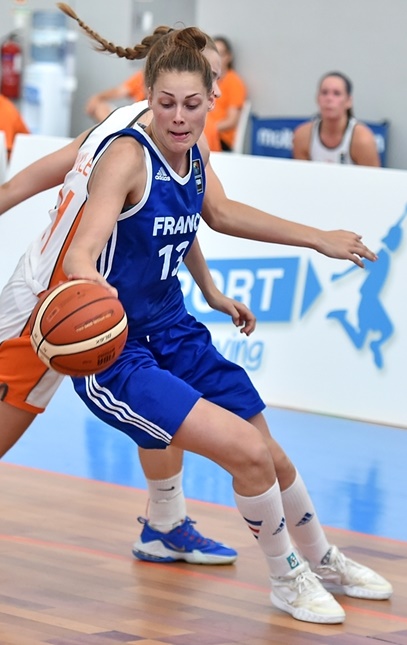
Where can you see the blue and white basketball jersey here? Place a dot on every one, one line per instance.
(151, 239)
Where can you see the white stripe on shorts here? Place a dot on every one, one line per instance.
(104, 399)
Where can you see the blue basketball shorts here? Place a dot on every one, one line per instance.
(157, 380)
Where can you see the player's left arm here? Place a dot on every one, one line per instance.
(241, 220)
(241, 315)
(363, 148)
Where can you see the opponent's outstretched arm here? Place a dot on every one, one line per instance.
(45, 173)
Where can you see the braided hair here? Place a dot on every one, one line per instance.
(137, 52)
(166, 49)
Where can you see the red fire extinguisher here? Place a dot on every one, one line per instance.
(11, 67)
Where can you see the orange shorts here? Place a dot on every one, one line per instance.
(25, 381)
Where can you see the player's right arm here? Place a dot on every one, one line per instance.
(117, 179)
(45, 173)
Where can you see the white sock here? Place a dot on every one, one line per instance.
(167, 506)
(303, 523)
(264, 515)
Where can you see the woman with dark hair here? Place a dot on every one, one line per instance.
(335, 135)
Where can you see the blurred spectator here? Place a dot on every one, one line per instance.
(11, 122)
(224, 118)
(335, 135)
(99, 106)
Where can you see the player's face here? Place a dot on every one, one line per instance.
(333, 99)
(214, 61)
(180, 103)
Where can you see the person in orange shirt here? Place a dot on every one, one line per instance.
(11, 122)
(222, 121)
(99, 106)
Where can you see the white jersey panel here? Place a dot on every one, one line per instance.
(45, 255)
(340, 154)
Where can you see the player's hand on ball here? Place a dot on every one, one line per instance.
(97, 278)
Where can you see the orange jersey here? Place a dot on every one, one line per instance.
(135, 86)
(233, 94)
(212, 135)
(25, 381)
(11, 121)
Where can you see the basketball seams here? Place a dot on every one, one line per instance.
(83, 345)
(75, 339)
(36, 328)
(72, 313)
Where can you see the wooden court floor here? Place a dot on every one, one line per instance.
(68, 576)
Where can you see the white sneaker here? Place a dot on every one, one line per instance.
(302, 595)
(343, 574)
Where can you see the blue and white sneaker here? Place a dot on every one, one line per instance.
(182, 543)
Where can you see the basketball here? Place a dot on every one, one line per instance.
(78, 328)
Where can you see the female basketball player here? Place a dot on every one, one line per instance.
(167, 509)
(335, 136)
(357, 580)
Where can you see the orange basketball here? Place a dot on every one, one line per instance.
(78, 328)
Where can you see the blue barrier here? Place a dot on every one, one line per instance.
(273, 137)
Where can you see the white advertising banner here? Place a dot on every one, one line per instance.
(330, 338)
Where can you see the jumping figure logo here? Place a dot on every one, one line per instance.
(282, 290)
(371, 314)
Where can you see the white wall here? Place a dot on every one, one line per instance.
(299, 356)
(282, 49)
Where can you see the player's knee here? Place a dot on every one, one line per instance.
(256, 465)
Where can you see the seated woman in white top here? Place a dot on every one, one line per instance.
(335, 135)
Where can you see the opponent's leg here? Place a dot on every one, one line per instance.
(168, 534)
(13, 423)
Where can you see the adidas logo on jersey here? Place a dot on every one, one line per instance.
(162, 175)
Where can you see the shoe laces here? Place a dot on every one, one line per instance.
(189, 532)
(307, 583)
